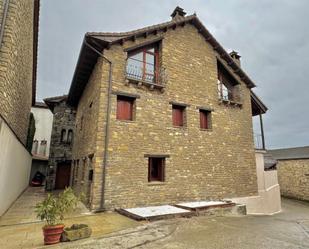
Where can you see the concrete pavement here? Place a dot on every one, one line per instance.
(287, 230)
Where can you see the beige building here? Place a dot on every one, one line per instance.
(18, 59)
(293, 171)
(164, 115)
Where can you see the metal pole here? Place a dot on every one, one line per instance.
(262, 131)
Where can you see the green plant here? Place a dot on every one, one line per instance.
(53, 208)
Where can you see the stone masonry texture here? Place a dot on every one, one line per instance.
(16, 58)
(202, 164)
(293, 176)
(61, 151)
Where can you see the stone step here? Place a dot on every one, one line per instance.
(186, 209)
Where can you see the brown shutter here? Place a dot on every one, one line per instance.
(124, 109)
(177, 116)
(203, 120)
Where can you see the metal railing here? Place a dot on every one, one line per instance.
(145, 72)
(225, 94)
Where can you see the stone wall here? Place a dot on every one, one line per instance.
(202, 164)
(294, 178)
(60, 151)
(16, 58)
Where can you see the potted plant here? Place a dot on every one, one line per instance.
(52, 209)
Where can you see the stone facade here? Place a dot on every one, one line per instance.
(16, 68)
(294, 178)
(61, 141)
(201, 164)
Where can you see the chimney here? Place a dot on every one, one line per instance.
(178, 13)
(236, 57)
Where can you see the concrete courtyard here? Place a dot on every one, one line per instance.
(287, 230)
(19, 228)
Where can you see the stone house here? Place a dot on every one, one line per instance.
(293, 171)
(60, 153)
(40, 146)
(18, 62)
(164, 114)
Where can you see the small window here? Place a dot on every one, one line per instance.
(125, 107)
(178, 115)
(156, 169)
(228, 87)
(205, 118)
(63, 136)
(70, 136)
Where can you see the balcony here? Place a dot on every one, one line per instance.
(230, 95)
(144, 73)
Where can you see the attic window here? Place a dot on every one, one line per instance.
(228, 86)
(143, 64)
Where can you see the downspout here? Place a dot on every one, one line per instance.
(108, 110)
(4, 16)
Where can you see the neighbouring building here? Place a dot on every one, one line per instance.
(164, 115)
(40, 147)
(18, 63)
(60, 153)
(293, 171)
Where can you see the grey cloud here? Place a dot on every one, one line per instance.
(271, 36)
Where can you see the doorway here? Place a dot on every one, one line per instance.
(63, 175)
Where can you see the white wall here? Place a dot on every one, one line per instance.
(268, 200)
(43, 125)
(15, 165)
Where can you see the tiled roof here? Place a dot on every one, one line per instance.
(102, 40)
(290, 153)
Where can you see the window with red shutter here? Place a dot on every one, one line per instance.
(178, 115)
(205, 119)
(156, 168)
(125, 108)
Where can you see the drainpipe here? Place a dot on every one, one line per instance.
(4, 16)
(108, 110)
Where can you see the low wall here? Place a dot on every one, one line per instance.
(294, 178)
(15, 166)
(268, 201)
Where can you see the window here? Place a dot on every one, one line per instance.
(43, 146)
(228, 87)
(205, 119)
(70, 136)
(156, 168)
(125, 107)
(63, 136)
(143, 64)
(35, 146)
(178, 113)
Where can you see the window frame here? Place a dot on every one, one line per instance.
(160, 164)
(145, 50)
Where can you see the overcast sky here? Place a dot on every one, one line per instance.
(271, 36)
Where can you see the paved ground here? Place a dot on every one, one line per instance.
(20, 229)
(22, 211)
(287, 230)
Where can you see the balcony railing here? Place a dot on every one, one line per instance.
(147, 73)
(229, 95)
(258, 141)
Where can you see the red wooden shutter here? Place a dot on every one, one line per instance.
(203, 120)
(177, 116)
(124, 109)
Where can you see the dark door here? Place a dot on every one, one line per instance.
(63, 175)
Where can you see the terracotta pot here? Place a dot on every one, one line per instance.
(52, 234)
